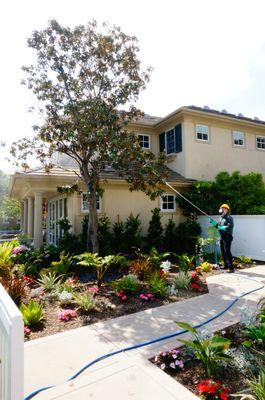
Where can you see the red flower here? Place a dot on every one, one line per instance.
(223, 396)
(195, 286)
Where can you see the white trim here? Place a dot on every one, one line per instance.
(203, 133)
(262, 137)
(87, 211)
(149, 140)
(173, 153)
(161, 203)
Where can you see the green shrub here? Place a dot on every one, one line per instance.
(63, 266)
(257, 386)
(85, 301)
(187, 235)
(185, 262)
(208, 350)
(70, 243)
(205, 267)
(182, 281)
(170, 236)
(32, 313)
(141, 267)
(48, 280)
(132, 233)
(155, 231)
(158, 286)
(155, 258)
(118, 232)
(104, 236)
(127, 284)
(242, 260)
(256, 333)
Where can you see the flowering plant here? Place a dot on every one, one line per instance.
(27, 331)
(72, 281)
(212, 390)
(170, 360)
(165, 266)
(66, 315)
(19, 249)
(121, 295)
(29, 281)
(93, 290)
(195, 282)
(147, 296)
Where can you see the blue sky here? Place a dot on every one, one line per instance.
(202, 52)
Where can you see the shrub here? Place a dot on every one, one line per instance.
(170, 236)
(158, 286)
(32, 313)
(210, 389)
(256, 333)
(118, 232)
(14, 286)
(155, 257)
(85, 301)
(141, 267)
(155, 231)
(182, 280)
(70, 243)
(205, 267)
(170, 360)
(132, 233)
(63, 266)
(104, 236)
(185, 262)
(127, 284)
(187, 235)
(257, 386)
(208, 350)
(48, 280)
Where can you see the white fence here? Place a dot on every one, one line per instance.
(249, 235)
(11, 349)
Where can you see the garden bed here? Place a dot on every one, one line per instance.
(232, 375)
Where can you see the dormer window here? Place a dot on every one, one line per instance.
(202, 133)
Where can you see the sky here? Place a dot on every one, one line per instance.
(203, 52)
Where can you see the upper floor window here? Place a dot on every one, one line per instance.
(260, 142)
(168, 202)
(238, 139)
(85, 203)
(202, 133)
(144, 141)
(171, 140)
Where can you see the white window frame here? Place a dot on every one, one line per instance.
(149, 140)
(233, 139)
(85, 211)
(259, 137)
(161, 203)
(203, 133)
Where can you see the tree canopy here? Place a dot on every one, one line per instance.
(87, 80)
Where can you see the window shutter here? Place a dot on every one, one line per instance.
(178, 138)
(162, 143)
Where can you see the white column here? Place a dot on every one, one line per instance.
(25, 216)
(38, 237)
(21, 214)
(30, 216)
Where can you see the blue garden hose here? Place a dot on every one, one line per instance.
(152, 341)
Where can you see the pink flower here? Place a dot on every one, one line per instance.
(93, 290)
(163, 366)
(19, 249)
(66, 315)
(27, 331)
(28, 280)
(121, 295)
(146, 296)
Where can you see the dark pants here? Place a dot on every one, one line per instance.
(226, 241)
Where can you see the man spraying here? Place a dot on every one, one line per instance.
(225, 227)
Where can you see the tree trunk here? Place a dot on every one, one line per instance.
(92, 234)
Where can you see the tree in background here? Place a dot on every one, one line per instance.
(9, 208)
(86, 80)
(155, 231)
(244, 193)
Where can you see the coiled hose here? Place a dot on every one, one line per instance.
(152, 341)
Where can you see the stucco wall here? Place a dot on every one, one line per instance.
(119, 202)
(204, 160)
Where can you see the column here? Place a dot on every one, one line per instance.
(25, 216)
(30, 216)
(38, 236)
(21, 215)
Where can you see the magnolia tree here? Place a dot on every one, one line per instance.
(86, 80)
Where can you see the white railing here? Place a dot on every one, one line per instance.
(11, 349)
(249, 235)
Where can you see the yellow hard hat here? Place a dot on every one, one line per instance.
(225, 206)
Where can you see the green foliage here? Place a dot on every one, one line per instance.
(242, 192)
(63, 266)
(205, 267)
(182, 281)
(155, 230)
(32, 313)
(186, 262)
(104, 236)
(208, 350)
(9, 207)
(170, 236)
(242, 260)
(187, 234)
(257, 385)
(85, 301)
(48, 280)
(141, 267)
(127, 284)
(70, 243)
(256, 333)
(158, 286)
(118, 229)
(65, 297)
(155, 258)
(132, 232)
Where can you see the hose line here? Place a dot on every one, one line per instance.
(155, 340)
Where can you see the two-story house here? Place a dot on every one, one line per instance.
(199, 143)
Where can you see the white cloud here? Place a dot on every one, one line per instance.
(202, 52)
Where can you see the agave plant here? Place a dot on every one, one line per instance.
(32, 313)
(49, 279)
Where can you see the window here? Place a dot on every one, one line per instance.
(84, 203)
(202, 133)
(171, 140)
(168, 202)
(144, 141)
(260, 142)
(238, 139)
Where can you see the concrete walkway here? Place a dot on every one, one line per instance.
(130, 375)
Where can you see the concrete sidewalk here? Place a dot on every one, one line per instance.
(129, 375)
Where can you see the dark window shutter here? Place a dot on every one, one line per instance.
(178, 138)
(162, 144)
